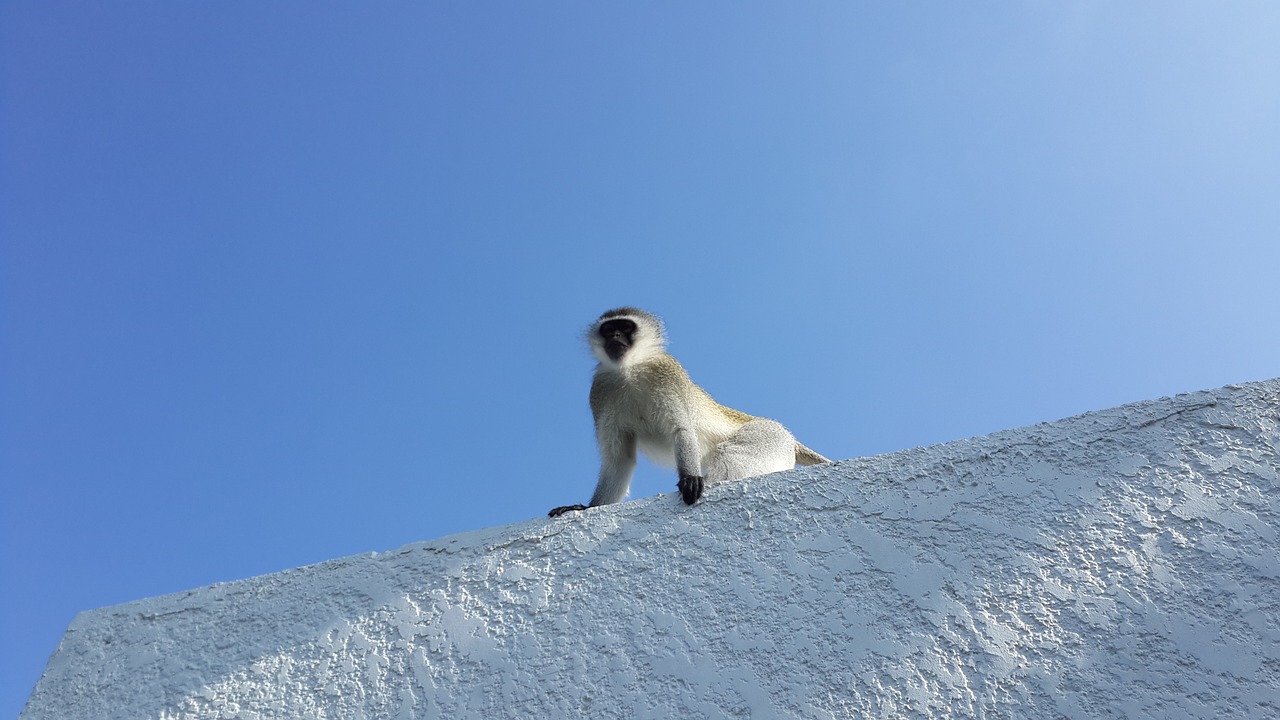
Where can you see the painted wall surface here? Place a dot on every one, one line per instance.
(1122, 563)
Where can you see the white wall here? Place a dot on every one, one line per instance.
(1118, 564)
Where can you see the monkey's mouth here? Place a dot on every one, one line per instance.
(615, 349)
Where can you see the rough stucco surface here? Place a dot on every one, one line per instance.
(1117, 564)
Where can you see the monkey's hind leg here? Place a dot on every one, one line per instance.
(759, 447)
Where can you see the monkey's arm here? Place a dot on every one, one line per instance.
(688, 465)
(617, 463)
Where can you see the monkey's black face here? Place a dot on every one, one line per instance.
(618, 336)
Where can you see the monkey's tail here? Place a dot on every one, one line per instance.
(805, 456)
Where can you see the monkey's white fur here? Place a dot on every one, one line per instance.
(644, 400)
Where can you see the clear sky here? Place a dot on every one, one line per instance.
(284, 282)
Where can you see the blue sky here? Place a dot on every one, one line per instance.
(283, 282)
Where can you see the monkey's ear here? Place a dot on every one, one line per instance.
(557, 512)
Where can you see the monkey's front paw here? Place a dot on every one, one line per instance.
(690, 488)
(557, 512)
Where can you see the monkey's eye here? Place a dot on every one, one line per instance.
(626, 327)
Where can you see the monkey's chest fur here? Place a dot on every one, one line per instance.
(643, 407)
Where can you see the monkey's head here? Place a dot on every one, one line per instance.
(625, 336)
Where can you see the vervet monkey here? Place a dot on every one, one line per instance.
(641, 398)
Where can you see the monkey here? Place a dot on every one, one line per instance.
(643, 399)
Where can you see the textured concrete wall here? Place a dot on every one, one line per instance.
(1118, 564)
